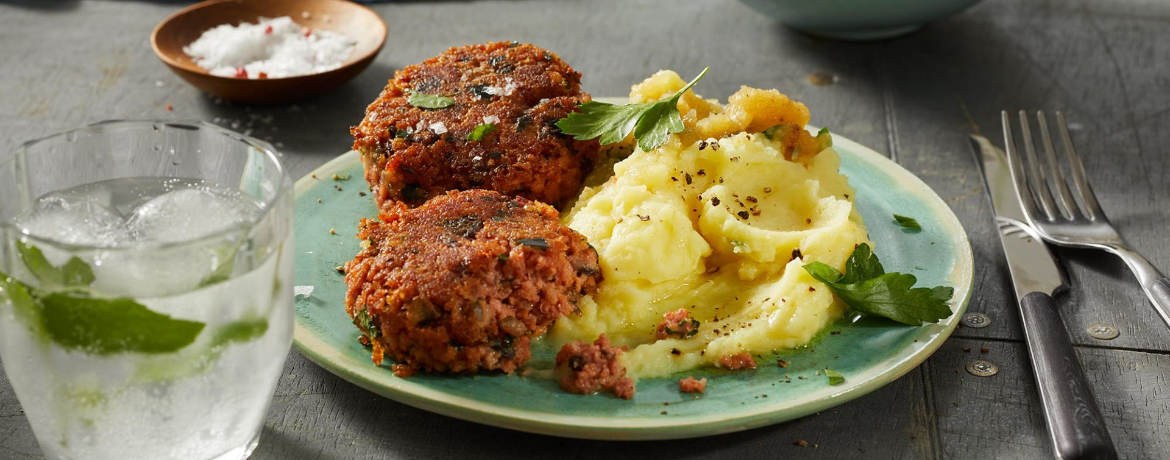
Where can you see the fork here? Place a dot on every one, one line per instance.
(1067, 219)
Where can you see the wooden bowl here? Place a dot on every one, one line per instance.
(341, 16)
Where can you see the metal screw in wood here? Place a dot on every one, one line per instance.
(976, 320)
(1103, 331)
(981, 368)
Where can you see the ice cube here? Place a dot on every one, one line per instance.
(154, 272)
(185, 215)
(76, 220)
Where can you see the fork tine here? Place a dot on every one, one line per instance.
(1035, 178)
(1017, 168)
(1068, 206)
(1092, 208)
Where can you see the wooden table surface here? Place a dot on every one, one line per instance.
(1106, 63)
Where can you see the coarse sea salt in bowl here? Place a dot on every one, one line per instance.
(337, 24)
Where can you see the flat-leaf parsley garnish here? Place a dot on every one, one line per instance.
(685, 330)
(835, 377)
(429, 101)
(480, 131)
(651, 122)
(367, 324)
(867, 288)
(907, 222)
(534, 242)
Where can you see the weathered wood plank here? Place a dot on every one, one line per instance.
(1001, 416)
(337, 420)
(954, 78)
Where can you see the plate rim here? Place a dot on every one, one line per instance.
(645, 428)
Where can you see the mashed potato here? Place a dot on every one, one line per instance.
(719, 221)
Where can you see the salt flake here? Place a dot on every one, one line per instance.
(271, 48)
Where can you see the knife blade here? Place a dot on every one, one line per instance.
(1074, 421)
(1032, 265)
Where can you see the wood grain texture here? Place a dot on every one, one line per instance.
(333, 419)
(1047, 55)
(64, 64)
(1000, 416)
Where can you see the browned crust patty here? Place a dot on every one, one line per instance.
(408, 158)
(465, 281)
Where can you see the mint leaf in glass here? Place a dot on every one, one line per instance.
(109, 326)
(74, 273)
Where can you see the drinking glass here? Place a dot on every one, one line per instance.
(145, 288)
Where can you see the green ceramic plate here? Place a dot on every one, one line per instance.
(868, 353)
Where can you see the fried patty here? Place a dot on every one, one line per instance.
(412, 153)
(464, 282)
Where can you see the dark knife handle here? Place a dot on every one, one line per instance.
(1074, 421)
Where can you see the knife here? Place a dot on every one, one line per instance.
(1075, 424)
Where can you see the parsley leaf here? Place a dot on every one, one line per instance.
(651, 122)
(480, 131)
(685, 330)
(429, 101)
(824, 138)
(907, 222)
(834, 377)
(866, 287)
(367, 324)
(863, 264)
(534, 242)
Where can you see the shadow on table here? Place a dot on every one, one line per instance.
(316, 125)
(337, 420)
(44, 5)
(394, 430)
(967, 66)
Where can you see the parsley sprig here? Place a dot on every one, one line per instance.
(908, 223)
(835, 378)
(480, 132)
(651, 122)
(429, 101)
(867, 288)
